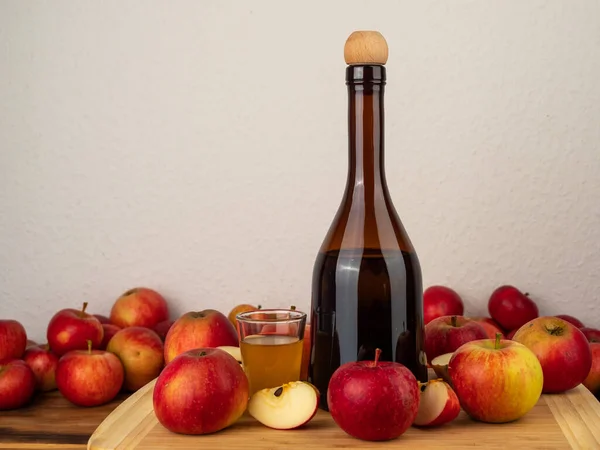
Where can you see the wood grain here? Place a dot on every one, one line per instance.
(564, 421)
(128, 423)
(51, 421)
(578, 415)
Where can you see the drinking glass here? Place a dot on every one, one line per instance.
(271, 346)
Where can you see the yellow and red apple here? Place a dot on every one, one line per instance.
(574, 320)
(238, 309)
(200, 391)
(43, 363)
(141, 353)
(562, 350)
(496, 381)
(139, 307)
(196, 329)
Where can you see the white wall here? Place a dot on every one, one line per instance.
(200, 148)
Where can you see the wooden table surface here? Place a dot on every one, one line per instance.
(51, 421)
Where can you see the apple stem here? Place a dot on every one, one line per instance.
(497, 343)
(84, 308)
(526, 294)
(377, 355)
(453, 321)
(89, 343)
(293, 308)
(259, 307)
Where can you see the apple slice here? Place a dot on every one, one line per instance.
(438, 404)
(233, 351)
(285, 407)
(439, 365)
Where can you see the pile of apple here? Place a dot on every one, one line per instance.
(498, 366)
(494, 368)
(88, 358)
(201, 386)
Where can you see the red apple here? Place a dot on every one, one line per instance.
(13, 339)
(285, 407)
(89, 377)
(511, 334)
(438, 405)
(101, 318)
(70, 329)
(201, 391)
(592, 381)
(562, 350)
(441, 301)
(139, 307)
(305, 353)
(591, 334)
(196, 329)
(109, 331)
(571, 319)
(496, 381)
(43, 363)
(510, 308)
(163, 328)
(17, 384)
(141, 352)
(490, 327)
(373, 400)
(445, 334)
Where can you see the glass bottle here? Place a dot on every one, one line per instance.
(366, 287)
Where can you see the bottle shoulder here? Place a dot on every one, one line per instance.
(366, 223)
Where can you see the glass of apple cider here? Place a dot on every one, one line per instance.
(271, 346)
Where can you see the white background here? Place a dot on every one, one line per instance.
(200, 148)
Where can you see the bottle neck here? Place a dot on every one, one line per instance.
(366, 127)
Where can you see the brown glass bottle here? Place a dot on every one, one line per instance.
(366, 287)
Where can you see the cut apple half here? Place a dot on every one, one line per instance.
(438, 404)
(439, 365)
(285, 407)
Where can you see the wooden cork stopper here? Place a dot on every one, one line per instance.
(366, 47)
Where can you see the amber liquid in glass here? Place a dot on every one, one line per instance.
(367, 288)
(271, 360)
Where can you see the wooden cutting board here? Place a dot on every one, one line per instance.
(563, 421)
(50, 422)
